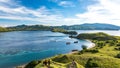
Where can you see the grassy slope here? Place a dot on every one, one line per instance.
(104, 58)
(2, 29)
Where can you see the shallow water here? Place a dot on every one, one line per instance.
(20, 47)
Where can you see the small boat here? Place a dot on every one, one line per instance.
(75, 41)
(67, 43)
(74, 50)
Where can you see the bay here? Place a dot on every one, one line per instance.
(20, 47)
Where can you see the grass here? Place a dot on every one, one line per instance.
(104, 57)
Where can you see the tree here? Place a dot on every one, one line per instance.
(84, 47)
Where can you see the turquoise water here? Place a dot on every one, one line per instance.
(20, 47)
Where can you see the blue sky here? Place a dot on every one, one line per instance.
(58, 12)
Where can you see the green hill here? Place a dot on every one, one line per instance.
(64, 31)
(86, 26)
(96, 36)
(106, 54)
(2, 29)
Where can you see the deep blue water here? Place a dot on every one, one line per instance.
(20, 47)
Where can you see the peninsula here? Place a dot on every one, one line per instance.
(104, 55)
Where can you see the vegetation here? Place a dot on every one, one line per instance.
(84, 47)
(96, 36)
(37, 27)
(95, 26)
(104, 55)
(86, 26)
(118, 55)
(32, 64)
(30, 28)
(64, 31)
(91, 63)
(3, 29)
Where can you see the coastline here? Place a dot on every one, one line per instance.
(21, 66)
(93, 45)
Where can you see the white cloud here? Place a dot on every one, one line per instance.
(22, 13)
(105, 11)
(66, 4)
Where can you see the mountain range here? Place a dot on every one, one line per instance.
(95, 26)
(86, 26)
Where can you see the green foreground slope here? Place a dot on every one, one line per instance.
(106, 54)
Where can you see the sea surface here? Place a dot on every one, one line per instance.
(20, 47)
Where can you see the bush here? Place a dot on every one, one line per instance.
(84, 47)
(92, 50)
(32, 64)
(118, 55)
(117, 48)
(61, 59)
(81, 52)
(91, 63)
(118, 44)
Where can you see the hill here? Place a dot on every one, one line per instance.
(2, 29)
(30, 28)
(96, 36)
(95, 26)
(106, 54)
(64, 31)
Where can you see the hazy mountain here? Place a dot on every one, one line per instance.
(86, 26)
(95, 26)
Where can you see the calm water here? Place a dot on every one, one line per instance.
(24, 46)
(21, 47)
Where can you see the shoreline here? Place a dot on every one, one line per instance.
(23, 66)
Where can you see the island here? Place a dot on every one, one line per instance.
(105, 54)
(64, 31)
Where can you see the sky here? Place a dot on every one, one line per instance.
(59, 12)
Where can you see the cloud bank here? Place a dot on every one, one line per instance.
(104, 11)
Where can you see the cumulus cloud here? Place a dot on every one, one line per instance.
(105, 11)
(19, 12)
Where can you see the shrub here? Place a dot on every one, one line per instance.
(91, 63)
(117, 48)
(92, 50)
(84, 47)
(118, 44)
(61, 58)
(32, 64)
(118, 55)
(81, 52)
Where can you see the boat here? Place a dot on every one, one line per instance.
(67, 43)
(75, 41)
(74, 50)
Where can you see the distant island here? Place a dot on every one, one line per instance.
(95, 26)
(64, 31)
(105, 54)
